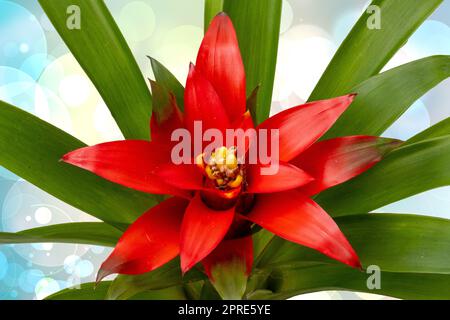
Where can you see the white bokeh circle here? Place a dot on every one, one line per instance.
(74, 89)
(179, 48)
(46, 287)
(137, 21)
(43, 215)
(303, 54)
(26, 207)
(287, 16)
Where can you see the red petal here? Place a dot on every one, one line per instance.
(219, 60)
(131, 163)
(203, 104)
(241, 139)
(166, 116)
(183, 176)
(288, 177)
(245, 121)
(149, 242)
(297, 218)
(202, 230)
(301, 126)
(240, 249)
(335, 161)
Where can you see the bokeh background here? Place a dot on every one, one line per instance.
(38, 74)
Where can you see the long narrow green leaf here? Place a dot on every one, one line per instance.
(103, 53)
(212, 8)
(260, 241)
(257, 24)
(126, 286)
(406, 171)
(382, 99)
(265, 253)
(288, 283)
(86, 291)
(366, 50)
(32, 148)
(96, 233)
(91, 291)
(393, 242)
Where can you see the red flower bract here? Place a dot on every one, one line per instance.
(216, 201)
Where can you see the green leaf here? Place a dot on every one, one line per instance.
(382, 99)
(126, 286)
(260, 241)
(257, 23)
(162, 102)
(91, 291)
(209, 292)
(394, 242)
(96, 233)
(167, 80)
(86, 291)
(404, 172)
(212, 8)
(230, 279)
(106, 58)
(286, 283)
(32, 148)
(252, 104)
(193, 290)
(366, 51)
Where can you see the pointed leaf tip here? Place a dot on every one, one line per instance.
(335, 161)
(150, 242)
(299, 127)
(167, 80)
(101, 274)
(389, 145)
(300, 220)
(229, 266)
(219, 60)
(153, 83)
(152, 60)
(202, 230)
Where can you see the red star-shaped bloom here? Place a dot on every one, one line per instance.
(216, 200)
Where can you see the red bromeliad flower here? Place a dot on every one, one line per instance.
(216, 200)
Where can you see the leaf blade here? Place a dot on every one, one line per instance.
(95, 233)
(126, 286)
(406, 171)
(212, 8)
(32, 148)
(438, 130)
(365, 51)
(383, 98)
(289, 283)
(411, 252)
(394, 242)
(92, 291)
(166, 79)
(103, 53)
(257, 24)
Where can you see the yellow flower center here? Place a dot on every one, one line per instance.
(222, 167)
